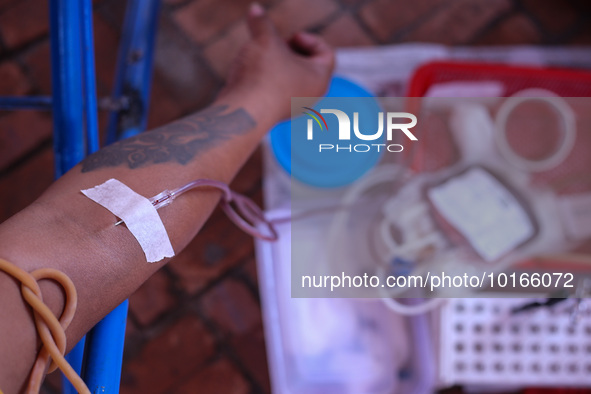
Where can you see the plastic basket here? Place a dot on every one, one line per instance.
(481, 343)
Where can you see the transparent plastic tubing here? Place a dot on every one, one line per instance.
(246, 214)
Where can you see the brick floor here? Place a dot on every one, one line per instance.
(152, 299)
(17, 144)
(13, 81)
(204, 20)
(106, 58)
(190, 82)
(230, 306)
(36, 62)
(251, 352)
(196, 325)
(385, 18)
(23, 22)
(513, 29)
(230, 41)
(552, 15)
(219, 377)
(22, 183)
(173, 355)
(249, 270)
(344, 31)
(459, 23)
(291, 15)
(219, 247)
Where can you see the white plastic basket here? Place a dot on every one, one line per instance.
(483, 343)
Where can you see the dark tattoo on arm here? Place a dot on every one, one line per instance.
(178, 142)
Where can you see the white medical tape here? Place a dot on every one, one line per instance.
(138, 214)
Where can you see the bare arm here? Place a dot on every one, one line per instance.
(65, 230)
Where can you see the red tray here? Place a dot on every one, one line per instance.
(437, 150)
(564, 82)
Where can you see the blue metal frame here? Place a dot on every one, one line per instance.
(37, 103)
(104, 352)
(134, 69)
(66, 79)
(88, 78)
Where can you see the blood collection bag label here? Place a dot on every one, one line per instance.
(483, 211)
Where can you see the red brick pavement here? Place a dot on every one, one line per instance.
(196, 325)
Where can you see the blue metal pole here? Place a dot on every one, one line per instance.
(68, 125)
(69, 139)
(76, 360)
(104, 352)
(88, 77)
(134, 68)
(29, 102)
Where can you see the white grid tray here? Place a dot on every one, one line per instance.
(482, 343)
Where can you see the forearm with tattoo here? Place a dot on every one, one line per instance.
(177, 142)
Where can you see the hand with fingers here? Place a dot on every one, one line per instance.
(279, 69)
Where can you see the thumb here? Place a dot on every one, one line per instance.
(259, 24)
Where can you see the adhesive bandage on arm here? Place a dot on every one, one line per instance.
(138, 214)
